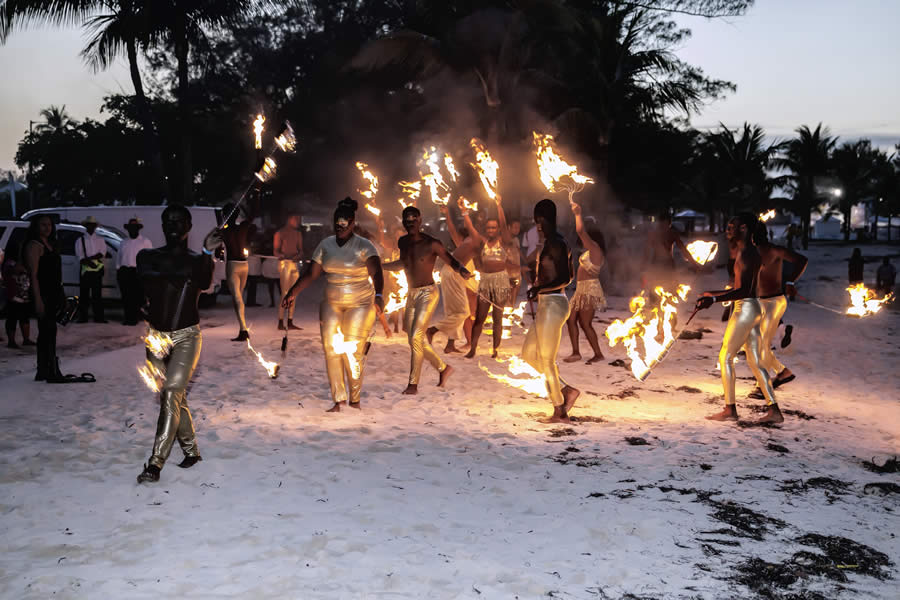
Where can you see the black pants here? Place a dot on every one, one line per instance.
(46, 341)
(17, 313)
(91, 290)
(132, 293)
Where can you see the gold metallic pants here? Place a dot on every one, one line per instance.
(456, 303)
(421, 303)
(354, 318)
(288, 273)
(542, 342)
(772, 311)
(743, 331)
(175, 422)
(237, 271)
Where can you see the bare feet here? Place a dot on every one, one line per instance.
(728, 414)
(773, 415)
(429, 334)
(355, 405)
(494, 353)
(570, 394)
(471, 352)
(411, 390)
(559, 416)
(572, 358)
(280, 325)
(595, 359)
(291, 325)
(444, 375)
(451, 348)
(335, 408)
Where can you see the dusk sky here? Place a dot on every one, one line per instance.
(794, 62)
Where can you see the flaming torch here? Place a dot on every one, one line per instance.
(521, 376)
(653, 327)
(863, 301)
(702, 252)
(158, 343)
(373, 188)
(258, 130)
(397, 299)
(348, 348)
(272, 368)
(767, 216)
(433, 179)
(410, 189)
(554, 169)
(486, 167)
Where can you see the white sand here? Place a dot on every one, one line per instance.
(451, 494)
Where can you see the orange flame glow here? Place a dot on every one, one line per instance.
(553, 168)
(486, 167)
(153, 377)
(158, 343)
(398, 297)
(767, 216)
(653, 327)
(258, 130)
(342, 346)
(702, 252)
(434, 179)
(372, 179)
(520, 375)
(863, 301)
(410, 189)
(271, 368)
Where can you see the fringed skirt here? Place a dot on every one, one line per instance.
(495, 287)
(588, 295)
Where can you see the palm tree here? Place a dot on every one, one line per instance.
(56, 120)
(855, 165)
(806, 157)
(743, 161)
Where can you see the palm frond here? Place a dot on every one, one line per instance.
(411, 51)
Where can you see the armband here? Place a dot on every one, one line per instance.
(788, 283)
(205, 251)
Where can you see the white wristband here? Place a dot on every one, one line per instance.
(788, 283)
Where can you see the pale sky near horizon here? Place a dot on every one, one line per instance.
(794, 62)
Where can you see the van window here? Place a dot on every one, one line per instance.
(67, 239)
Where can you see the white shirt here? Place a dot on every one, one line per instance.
(530, 240)
(129, 249)
(94, 244)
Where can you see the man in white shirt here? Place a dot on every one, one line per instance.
(90, 250)
(126, 271)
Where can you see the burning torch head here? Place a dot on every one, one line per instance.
(286, 140)
(412, 219)
(545, 216)
(176, 223)
(345, 218)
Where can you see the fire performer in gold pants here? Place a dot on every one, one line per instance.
(772, 300)
(354, 288)
(173, 278)
(418, 253)
(541, 345)
(743, 325)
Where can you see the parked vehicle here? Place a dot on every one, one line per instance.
(113, 218)
(68, 235)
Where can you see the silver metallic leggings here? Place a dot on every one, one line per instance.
(175, 422)
(772, 311)
(743, 331)
(237, 272)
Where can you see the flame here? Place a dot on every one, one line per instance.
(373, 209)
(863, 301)
(702, 252)
(486, 167)
(398, 297)
(767, 216)
(270, 367)
(258, 129)
(433, 179)
(267, 171)
(511, 316)
(553, 168)
(373, 181)
(411, 189)
(521, 376)
(287, 140)
(342, 346)
(644, 325)
(153, 377)
(468, 205)
(246, 253)
(451, 168)
(158, 343)
(436, 275)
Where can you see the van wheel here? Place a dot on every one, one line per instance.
(206, 301)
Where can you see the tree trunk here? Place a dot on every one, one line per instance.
(151, 142)
(184, 110)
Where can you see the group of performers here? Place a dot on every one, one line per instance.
(354, 298)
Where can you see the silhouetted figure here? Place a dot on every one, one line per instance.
(886, 276)
(856, 267)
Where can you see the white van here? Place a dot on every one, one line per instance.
(12, 236)
(113, 218)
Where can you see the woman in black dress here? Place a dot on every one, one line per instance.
(45, 268)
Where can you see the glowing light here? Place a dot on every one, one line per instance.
(258, 129)
(398, 297)
(651, 326)
(702, 252)
(554, 169)
(348, 348)
(267, 170)
(520, 375)
(486, 167)
(767, 216)
(468, 205)
(372, 179)
(158, 343)
(153, 377)
(410, 189)
(434, 179)
(246, 253)
(286, 139)
(271, 368)
(863, 301)
(451, 168)
(373, 209)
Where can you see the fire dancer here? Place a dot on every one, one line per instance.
(541, 345)
(354, 288)
(589, 296)
(237, 239)
(288, 246)
(458, 313)
(772, 300)
(494, 290)
(173, 278)
(743, 325)
(418, 253)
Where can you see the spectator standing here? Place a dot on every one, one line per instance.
(126, 271)
(17, 283)
(90, 250)
(886, 277)
(45, 268)
(288, 247)
(856, 267)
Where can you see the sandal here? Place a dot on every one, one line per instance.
(779, 382)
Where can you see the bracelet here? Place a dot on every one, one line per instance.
(205, 251)
(715, 299)
(788, 283)
(379, 296)
(464, 214)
